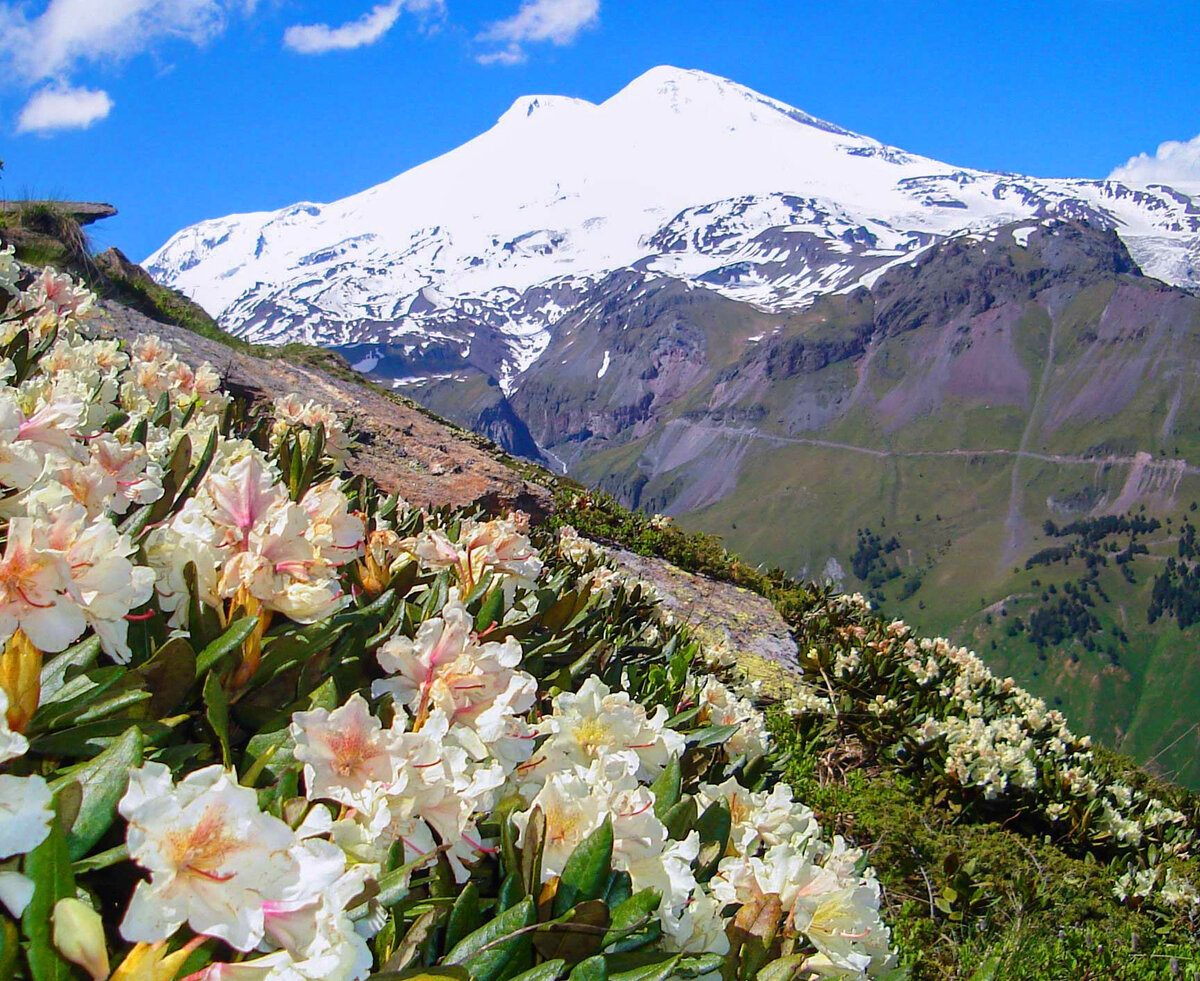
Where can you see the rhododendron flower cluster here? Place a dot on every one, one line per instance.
(945, 713)
(500, 547)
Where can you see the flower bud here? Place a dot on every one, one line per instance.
(79, 936)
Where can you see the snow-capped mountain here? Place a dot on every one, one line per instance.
(683, 175)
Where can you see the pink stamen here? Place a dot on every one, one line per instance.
(640, 810)
(139, 617)
(478, 847)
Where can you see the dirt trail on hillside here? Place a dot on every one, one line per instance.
(1066, 459)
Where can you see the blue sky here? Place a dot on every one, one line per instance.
(178, 110)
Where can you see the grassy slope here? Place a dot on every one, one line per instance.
(798, 506)
(967, 897)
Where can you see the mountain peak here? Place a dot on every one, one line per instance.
(690, 89)
(543, 106)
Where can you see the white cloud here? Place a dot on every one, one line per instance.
(557, 21)
(1173, 162)
(56, 108)
(69, 33)
(52, 46)
(369, 28)
(511, 55)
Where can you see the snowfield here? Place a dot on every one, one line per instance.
(680, 174)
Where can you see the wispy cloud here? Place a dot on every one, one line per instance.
(54, 108)
(559, 22)
(1174, 161)
(367, 29)
(69, 34)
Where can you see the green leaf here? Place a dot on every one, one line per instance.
(424, 974)
(169, 675)
(49, 866)
(711, 736)
(512, 891)
(198, 472)
(576, 935)
(585, 874)
(492, 610)
(101, 860)
(592, 969)
(486, 952)
(543, 972)
(103, 781)
(681, 818)
(10, 946)
(619, 888)
(217, 712)
(203, 623)
(716, 823)
(651, 972)
(632, 915)
(783, 968)
(667, 788)
(532, 850)
(82, 655)
(418, 934)
(464, 915)
(231, 640)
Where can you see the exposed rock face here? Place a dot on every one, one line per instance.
(408, 452)
(724, 616)
(83, 212)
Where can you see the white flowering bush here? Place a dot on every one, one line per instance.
(259, 722)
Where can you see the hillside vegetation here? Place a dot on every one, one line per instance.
(480, 749)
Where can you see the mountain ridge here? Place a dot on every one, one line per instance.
(680, 173)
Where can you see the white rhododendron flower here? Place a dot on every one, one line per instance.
(26, 811)
(34, 585)
(598, 723)
(348, 756)
(214, 858)
(102, 581)
(438, 795)
(295, 413)
(445, 668)
(249, 542)
(10, 272)
(760, 819)
(719, 706)
(500, 546)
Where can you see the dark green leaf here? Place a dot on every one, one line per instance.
(543, 972)
(592, 969)
(681, 818)
(102, 781)
(464, 916)
(216, 710)
(486, 952)
(632, 915)
(585, 874)
(82, 655)
(169, 675)
(667, 787)
(49, 866)
(231, 640)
